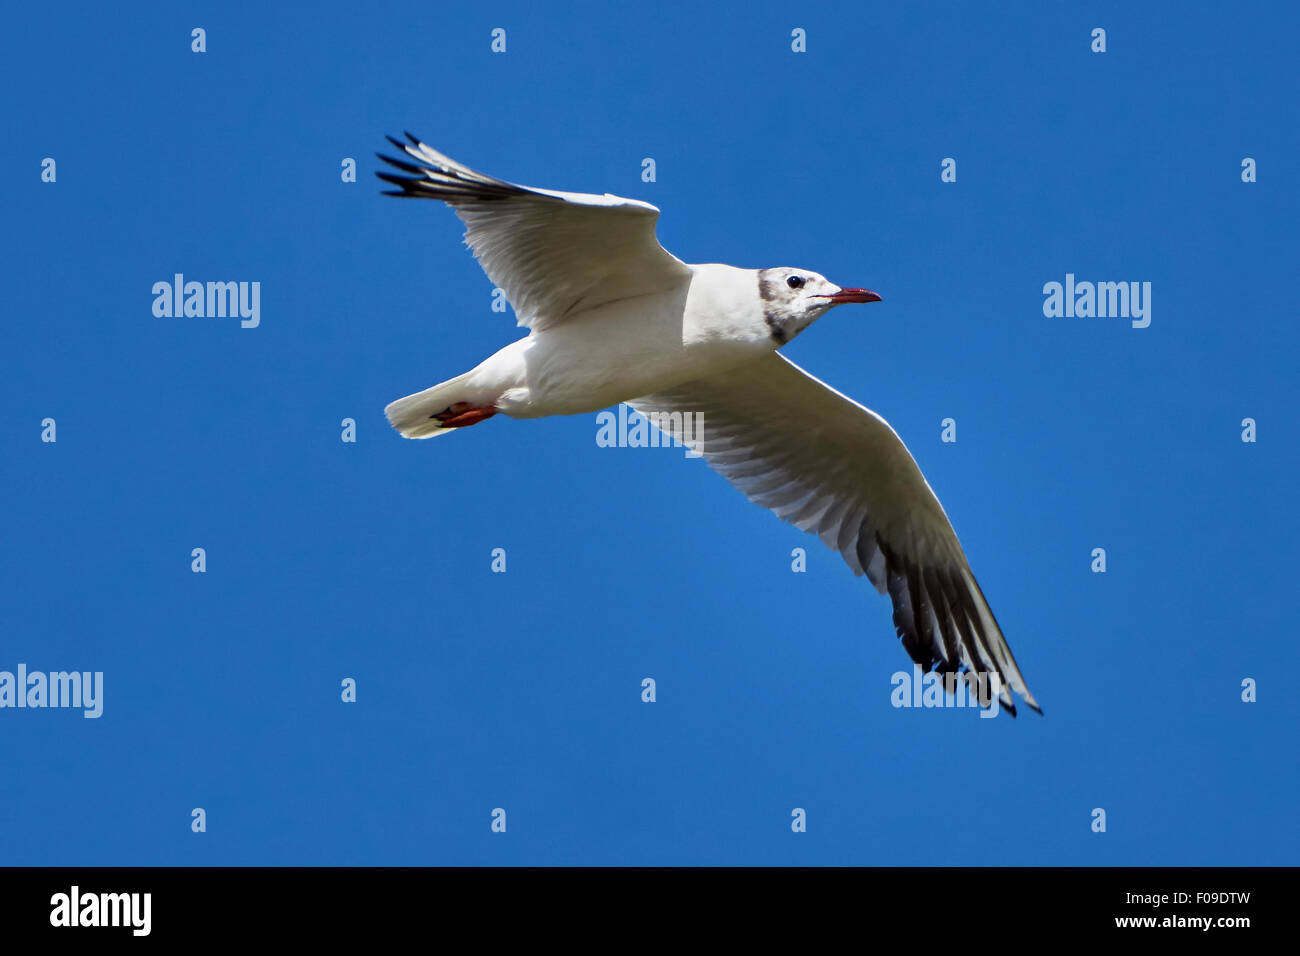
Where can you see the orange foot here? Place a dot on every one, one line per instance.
(463, 414)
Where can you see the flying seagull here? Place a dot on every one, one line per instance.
(614, 317)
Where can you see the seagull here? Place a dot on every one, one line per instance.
(614, 317)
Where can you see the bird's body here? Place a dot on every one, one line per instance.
(656, 341)
(614, 318)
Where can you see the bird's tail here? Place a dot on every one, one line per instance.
(437, 410)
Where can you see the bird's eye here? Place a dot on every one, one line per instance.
(795, 282)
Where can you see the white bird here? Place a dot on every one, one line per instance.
(614, 317)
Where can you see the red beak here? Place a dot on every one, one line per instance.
(854, 295)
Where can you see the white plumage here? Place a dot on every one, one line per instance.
(614, 317)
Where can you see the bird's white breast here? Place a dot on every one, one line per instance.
(633, 347)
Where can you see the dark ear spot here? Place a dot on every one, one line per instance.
(770, 291)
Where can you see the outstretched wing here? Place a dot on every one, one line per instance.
(554, 253)
(826, 464)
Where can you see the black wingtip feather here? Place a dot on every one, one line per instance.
(406, 184)
(401, 164)
(912, 589)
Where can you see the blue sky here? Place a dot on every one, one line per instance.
(521, 690)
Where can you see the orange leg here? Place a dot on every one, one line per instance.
(463, 414)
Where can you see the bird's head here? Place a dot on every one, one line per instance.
(794, 299)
